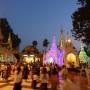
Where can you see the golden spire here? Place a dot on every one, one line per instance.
(62, 40)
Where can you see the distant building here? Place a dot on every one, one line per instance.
(6, 54)
(32, 54)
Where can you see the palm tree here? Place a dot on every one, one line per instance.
(34, 43)
(45, 44)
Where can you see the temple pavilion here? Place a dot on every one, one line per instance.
(6, 54)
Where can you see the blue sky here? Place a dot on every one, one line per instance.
(38, 19)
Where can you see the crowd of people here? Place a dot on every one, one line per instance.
(44, 77)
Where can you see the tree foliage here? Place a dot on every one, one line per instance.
(81, 22)
(34, 43)
(45, 42)
(6, 30)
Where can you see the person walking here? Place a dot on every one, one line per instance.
(84, 80)
(64, 72)
(54, 78)
(44, 78)
(18, 79)
(34, 80)
(25, 73)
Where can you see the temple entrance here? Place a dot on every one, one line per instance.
(71, 58)
(50, 60)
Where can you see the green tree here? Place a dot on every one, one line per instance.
(6, 30)
(81, 22)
